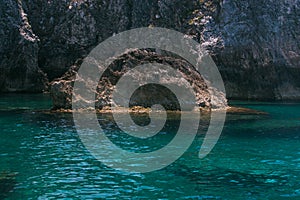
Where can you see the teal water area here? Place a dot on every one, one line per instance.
(256, 157)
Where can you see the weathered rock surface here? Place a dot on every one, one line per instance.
(146, 96)
(255, 44)
(261, 54)
(19, 70)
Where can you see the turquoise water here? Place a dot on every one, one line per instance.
(257, 157)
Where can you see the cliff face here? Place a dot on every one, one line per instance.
(261, 55)
(255, 44)
(19, 48)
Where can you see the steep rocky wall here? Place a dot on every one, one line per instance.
(261, 55)
(19, 70)
(255, 44)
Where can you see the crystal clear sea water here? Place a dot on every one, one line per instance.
(256, 157)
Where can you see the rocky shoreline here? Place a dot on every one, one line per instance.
(141, 110)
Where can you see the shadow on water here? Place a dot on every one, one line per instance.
(218, 177)
(7, 183)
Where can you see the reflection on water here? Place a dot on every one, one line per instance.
(257, 157)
